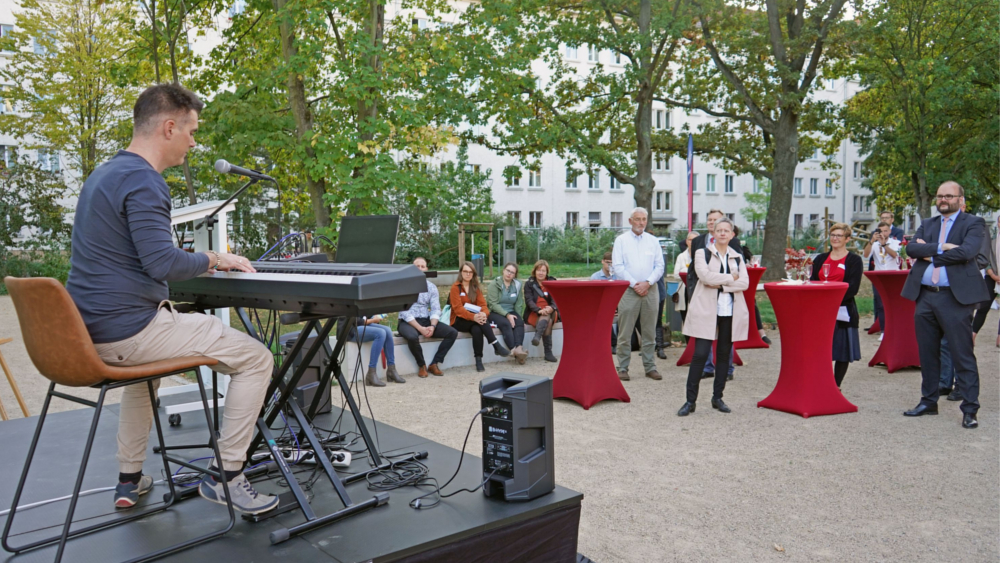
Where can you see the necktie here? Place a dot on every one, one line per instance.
(936, 275)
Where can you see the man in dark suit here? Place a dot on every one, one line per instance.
(946, 284)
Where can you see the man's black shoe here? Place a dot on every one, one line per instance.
(718, 405)
(969, 421)
(687, 409)
(766, 340)
(955, 395)
(944, 391)
(921, 410)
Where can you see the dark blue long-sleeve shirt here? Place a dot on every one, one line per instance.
(123, 251)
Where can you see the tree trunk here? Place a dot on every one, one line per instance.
(786, 158)
(644, 115)
(368, 105)
(303, 116)
(922, 197)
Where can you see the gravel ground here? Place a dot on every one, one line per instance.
(754, 485)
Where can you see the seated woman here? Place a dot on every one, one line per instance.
(847, 267)
(467, 291)
(370, 330)
(716, 311)
(504, 297)
(539, 308)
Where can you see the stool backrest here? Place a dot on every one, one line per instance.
(54, 334)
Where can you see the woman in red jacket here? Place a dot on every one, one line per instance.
(470, 314)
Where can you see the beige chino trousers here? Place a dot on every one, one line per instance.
(630, 308)
(172, 335)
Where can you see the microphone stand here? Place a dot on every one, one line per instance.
(210, 221)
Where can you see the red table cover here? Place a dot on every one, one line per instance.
(753, 336)
(586, 372)
(807, 315)
(688, 353)
(898, 348)
(875, 327)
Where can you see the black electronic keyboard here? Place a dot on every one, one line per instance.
(308, 288)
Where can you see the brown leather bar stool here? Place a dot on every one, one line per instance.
(62, 351)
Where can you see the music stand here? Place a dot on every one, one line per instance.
(367, 240)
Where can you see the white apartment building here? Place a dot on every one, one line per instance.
(553, 195)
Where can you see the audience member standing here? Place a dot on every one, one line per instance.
(423, 319)
(717, 311)
(469, 313)
(638, 259)
(946, 285)
(844, 266)
(882, 251)
(540, 309)
(505, 297)
(988, 263)
(681, 264)
(707, 240)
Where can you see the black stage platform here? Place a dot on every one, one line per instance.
(464, 528)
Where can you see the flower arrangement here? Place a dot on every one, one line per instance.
(905, 262)
(798, 264)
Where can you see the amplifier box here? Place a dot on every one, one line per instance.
(309, 383)
(517, 436)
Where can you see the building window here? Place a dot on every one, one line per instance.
(710, 183)
(535, 219)
(5, 31)
(512, 175)
(813, 186)
(8, 155)
(798, 220)
(515, 217)
(662, 201)
(535, 178)
(694, 220)
(571, 176)
(48, 160)
(240, 6)
(816, 155)
(761, 184)
(729, 183)
(657, 161)
(618, 58)
(694, 183)
(829, 187)
(857, 170)
(572, 219)
(616, 219)
(731, 217)
(594, 217)
(796, 186)
(615, 184)
(571, 52)
(813, 218)
(593, 180)
(662, 119)
(592, 55)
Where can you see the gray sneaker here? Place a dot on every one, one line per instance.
(127, 494)
(245, 498)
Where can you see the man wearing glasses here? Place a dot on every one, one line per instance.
(946, 284)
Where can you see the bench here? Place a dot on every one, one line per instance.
(459, 355)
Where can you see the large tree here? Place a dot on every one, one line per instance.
(755, 65)
(929, 108)
(595, 116)
(69, 79)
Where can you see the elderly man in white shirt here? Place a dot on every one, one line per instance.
(637, 258)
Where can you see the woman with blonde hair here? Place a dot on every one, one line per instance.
(469, 313)
(843, 265)
(716, 312)
(539, 308)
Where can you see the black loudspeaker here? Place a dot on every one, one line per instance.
(517, 436)
(309, 384)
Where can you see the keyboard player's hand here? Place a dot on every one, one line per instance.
(234, 262)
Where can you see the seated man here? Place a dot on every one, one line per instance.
(605, 272)
(422, 319)
(123, 257)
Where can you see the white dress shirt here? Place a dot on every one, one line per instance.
(725, 304)
(883, 261)
(637, 258)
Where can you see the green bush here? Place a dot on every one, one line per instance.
(35, 262)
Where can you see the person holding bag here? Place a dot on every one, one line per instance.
(717, 312)
(505, 296)
(847, 267)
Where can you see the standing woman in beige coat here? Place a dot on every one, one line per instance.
(716, 311)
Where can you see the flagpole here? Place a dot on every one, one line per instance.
(690, 166)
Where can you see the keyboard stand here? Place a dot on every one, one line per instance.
(308, 439)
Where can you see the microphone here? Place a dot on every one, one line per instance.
(223, 167)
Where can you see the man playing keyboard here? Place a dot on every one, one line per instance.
(122, 259)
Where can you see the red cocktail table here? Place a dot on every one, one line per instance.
(898, 348)
(807, 315)
(586, 372)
